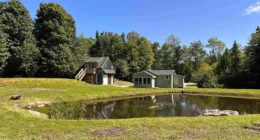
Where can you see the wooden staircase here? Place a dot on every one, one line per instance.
(86, 74)
(88, 78)
(81, 74)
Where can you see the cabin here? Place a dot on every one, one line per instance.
(96, 70)
(158, 78)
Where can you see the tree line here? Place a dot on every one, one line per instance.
(49, 47)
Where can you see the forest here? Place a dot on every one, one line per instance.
(48, 46)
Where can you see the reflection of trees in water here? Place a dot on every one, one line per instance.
(131, 109)
(164, 105)
(248, 106)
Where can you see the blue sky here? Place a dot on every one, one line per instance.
(190, 20)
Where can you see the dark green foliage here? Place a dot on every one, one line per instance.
(236, 60)
(55, 32)
(217, 47)
(253, 54)
(187, 63)
(224, 63)
(96, 49)
(81, 49)
(122, 68)
(205, 82)
(157, 56)
(177, 60)
(4, 53)
(205, 77)
(18, 26)
(198, 53)
(129, 56)
(140, 55)
(166, 57)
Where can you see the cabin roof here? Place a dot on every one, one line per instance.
(161, 72)
(100, 60)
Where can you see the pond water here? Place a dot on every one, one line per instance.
(149, 106)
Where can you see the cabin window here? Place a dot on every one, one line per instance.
(144, 81)
(136, 81)
(140, 81)
(91, 66)
(149, 81)
(166, 77)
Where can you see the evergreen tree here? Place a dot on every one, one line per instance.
(253, 53)
(123, 37)
(236, 60)
(224, 63)
(55, 32)
(18, 27)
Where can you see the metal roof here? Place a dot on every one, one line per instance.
(100, 60)
(109, 71)
(161, 72)
(94, 59)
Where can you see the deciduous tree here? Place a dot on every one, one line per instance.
(55, 32)
(217, 47)
(18, 26)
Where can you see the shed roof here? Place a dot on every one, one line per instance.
(161, 72)
(109, 71)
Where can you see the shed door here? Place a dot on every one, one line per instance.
(176, 81)
(105, 79)
(109, 79)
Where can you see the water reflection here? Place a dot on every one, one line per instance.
(151, 106)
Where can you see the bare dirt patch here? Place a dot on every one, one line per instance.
(113, 131)
(255, 128)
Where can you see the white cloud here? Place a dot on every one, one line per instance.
(253, 9)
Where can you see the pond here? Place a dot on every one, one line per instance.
(169, 105)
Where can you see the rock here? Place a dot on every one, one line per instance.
(217, 112)
(41, 105)
(16, 97)
(16, 106)
(39, 114)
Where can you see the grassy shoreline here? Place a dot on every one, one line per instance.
(19, 124)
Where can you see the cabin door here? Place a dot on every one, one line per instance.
(109, 79)
(176, 81)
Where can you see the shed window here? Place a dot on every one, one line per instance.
(166, 77)
(140, 81)
(136, 81)
(144, 81)
(149, 81)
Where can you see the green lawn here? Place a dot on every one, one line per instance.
(20, 124)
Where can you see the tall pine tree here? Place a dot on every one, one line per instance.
(236, 61)
(253, 53)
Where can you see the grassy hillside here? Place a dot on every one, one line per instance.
(17, 123)
(122, 83)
